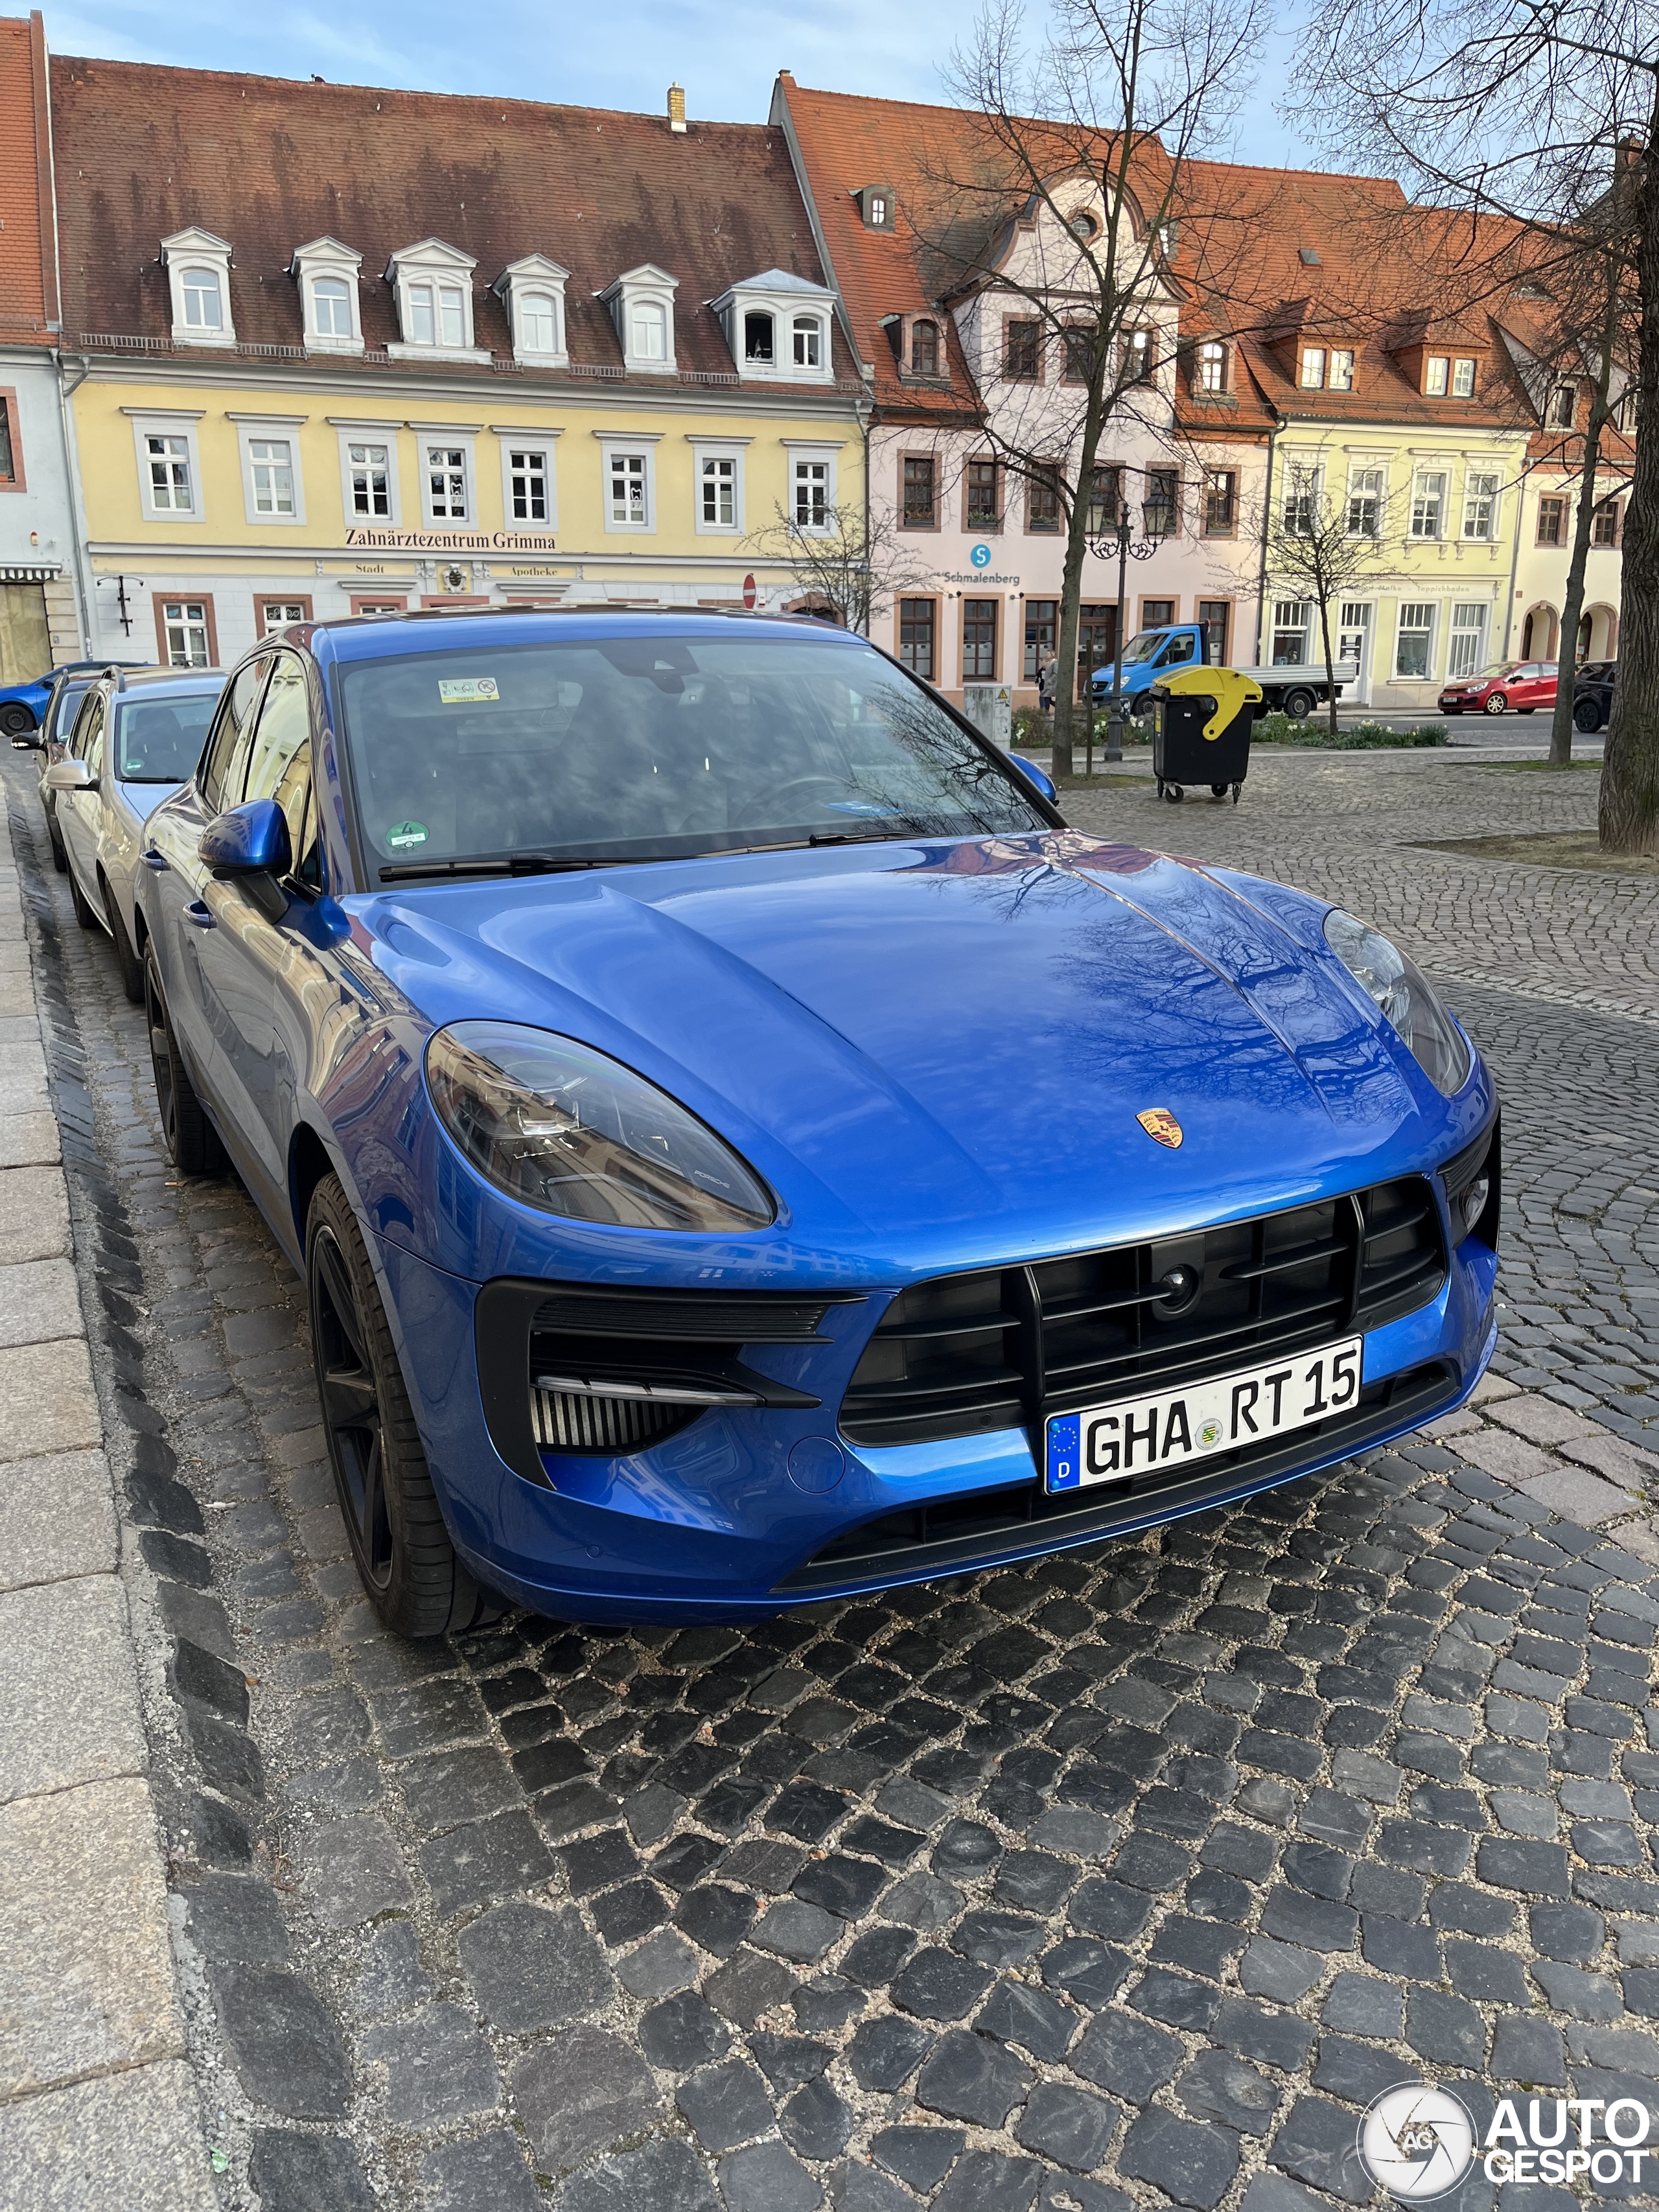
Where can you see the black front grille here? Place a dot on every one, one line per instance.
(1004, 1348)
(952, 1535)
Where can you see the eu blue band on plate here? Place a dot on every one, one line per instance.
(1064, 1451)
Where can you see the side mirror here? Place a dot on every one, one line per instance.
(70, 775)
(249, 840)
(1034, 774)
(27, 741)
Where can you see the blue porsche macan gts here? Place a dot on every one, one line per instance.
(742, 1148)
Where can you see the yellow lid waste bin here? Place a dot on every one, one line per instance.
(1202, 719)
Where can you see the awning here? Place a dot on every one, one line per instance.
(41, 572)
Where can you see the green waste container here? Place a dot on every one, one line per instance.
(1202, 723)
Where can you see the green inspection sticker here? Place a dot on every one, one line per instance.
(404, 834)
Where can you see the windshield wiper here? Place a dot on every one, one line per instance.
(865, 837)
(515, 864)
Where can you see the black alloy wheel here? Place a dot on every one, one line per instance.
(16, 719)
(192, 1141)
(394, 1523)
(1587, 716)
(1298, 705)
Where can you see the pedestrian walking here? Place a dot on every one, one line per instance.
(1047, 672)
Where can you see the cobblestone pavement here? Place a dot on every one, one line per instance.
(1124, 1879)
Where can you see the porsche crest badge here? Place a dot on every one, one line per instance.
(1161, 1125)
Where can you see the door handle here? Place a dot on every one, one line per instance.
(159, 861)
(199, 912)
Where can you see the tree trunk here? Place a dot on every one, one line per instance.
(1583, 518)
(1077, 544)
(1330, 665)
(1630, 775)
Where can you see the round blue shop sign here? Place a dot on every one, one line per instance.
(981, 556)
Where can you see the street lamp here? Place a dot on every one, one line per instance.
(1119, 538)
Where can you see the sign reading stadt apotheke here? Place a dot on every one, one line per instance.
(451, 541)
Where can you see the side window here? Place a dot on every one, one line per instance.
(225, 759)
(279, 766)
(93, 736)
(80, 729)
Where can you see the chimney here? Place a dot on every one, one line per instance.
(676, 107)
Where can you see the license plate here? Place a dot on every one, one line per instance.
(1138, 1437)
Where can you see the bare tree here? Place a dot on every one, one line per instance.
(853, 566)
(1319, 547)
(1544, 112)
(1129, 88)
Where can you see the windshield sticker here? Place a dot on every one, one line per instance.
(402, 836)
(467, 691)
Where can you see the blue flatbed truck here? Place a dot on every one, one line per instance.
(1153, 654)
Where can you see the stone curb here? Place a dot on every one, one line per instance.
(97, 2110)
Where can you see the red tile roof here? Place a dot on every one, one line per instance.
(27, 302)
(270, 164)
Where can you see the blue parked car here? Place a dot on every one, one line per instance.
(744, 1149)
(22, 706)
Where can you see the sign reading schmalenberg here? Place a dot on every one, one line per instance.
(452, 541)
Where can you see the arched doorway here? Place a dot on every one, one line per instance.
(1541, 634)
(1598, 633)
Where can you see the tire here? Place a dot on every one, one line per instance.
(192, 1141)
(85, 913)
(1175, 793)
(1495, 704)
(1587, 716)
(16, 719)
(404, 1556)
(131, 967)
(1298, 705)
(1526, 710)
(1217, 791)
(55, 839)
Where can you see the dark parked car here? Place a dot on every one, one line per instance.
(1592, 694)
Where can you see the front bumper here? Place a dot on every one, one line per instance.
(711, 1523)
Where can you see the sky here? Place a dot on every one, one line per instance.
(621, 53)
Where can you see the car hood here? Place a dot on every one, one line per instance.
(921, 1037)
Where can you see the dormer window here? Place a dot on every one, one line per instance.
(198, 275)
(641, 304)
(876, 205)
(1340, 376)
(328, 276)
(532, 290)
(777, 328)
(1437, 372)
(1462, 381)
(1313, 368)
(434, 285)
(1563, 407)
(1212, 366)
(924, 347)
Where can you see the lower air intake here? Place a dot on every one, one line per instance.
(566, 1423)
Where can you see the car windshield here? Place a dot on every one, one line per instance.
(1503, 668)
(655, 748)
(1143, 647)
(161, 740)
(61, 713)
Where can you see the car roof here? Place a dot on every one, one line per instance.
(182, 683)
(385, 637)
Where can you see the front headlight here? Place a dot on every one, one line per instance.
(562, 1127)
(1432, 1039)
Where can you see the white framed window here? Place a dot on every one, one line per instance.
(1312, 378)
(1428, 503)
(628, 467)
(328, 274)
(1212, 366)
(169, 468)
(1480, 504)
(1413, 649)
(813, 492)
(532, 291)
(433, 286)
(1563, 408)
(446, 479)
(185, 626)
(198, 278)
(273, 489)
(718, 488)
(1302, 487)
(1365, 497)
(1462, 379)
(641, 305)
(759, 346)
(1291, 618)
(1435, 372)
(1467, 652)
(1340, 376)
(278, 614)
(529, 496)
(809, 350)
(369, 490)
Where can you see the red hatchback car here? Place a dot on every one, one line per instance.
(1524, 685)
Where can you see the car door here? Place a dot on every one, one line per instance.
(243, 954)
(1540, 692)
(178, 917)
(78, 810)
